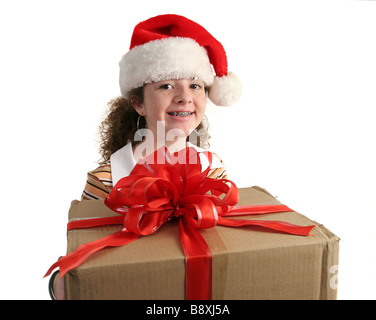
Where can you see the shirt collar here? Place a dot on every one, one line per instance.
(123, 161)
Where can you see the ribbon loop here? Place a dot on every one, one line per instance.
(201, 209)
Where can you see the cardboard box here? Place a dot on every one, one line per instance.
(247, 263)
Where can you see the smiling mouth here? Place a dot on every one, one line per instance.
(180, 114)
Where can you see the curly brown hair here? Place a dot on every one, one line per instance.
(120, 125)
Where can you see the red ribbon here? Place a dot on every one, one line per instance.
(154, 193)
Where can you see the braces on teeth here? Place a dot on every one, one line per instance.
(180, 114)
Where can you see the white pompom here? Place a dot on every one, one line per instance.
(226, 90)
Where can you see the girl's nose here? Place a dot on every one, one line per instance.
(183, 96)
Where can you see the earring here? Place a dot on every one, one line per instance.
(138, 122)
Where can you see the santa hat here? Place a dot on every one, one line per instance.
(174, 47)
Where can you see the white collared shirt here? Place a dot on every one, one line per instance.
(123, 161)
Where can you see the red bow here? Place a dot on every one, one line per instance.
(154, 193)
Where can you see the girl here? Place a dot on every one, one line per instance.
(165, 80)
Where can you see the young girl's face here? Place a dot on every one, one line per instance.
(178, 104)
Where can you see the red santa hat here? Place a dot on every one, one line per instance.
(174, 47)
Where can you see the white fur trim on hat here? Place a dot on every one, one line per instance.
(226, 90)
(164, 59)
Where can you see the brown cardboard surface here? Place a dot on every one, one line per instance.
(248, 263)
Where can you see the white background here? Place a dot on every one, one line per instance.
(304, 128)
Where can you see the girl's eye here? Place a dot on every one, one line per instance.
(195, 86)
(166, 86)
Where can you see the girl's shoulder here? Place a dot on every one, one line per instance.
(218, 169)
(103, 168)
(99, 182)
